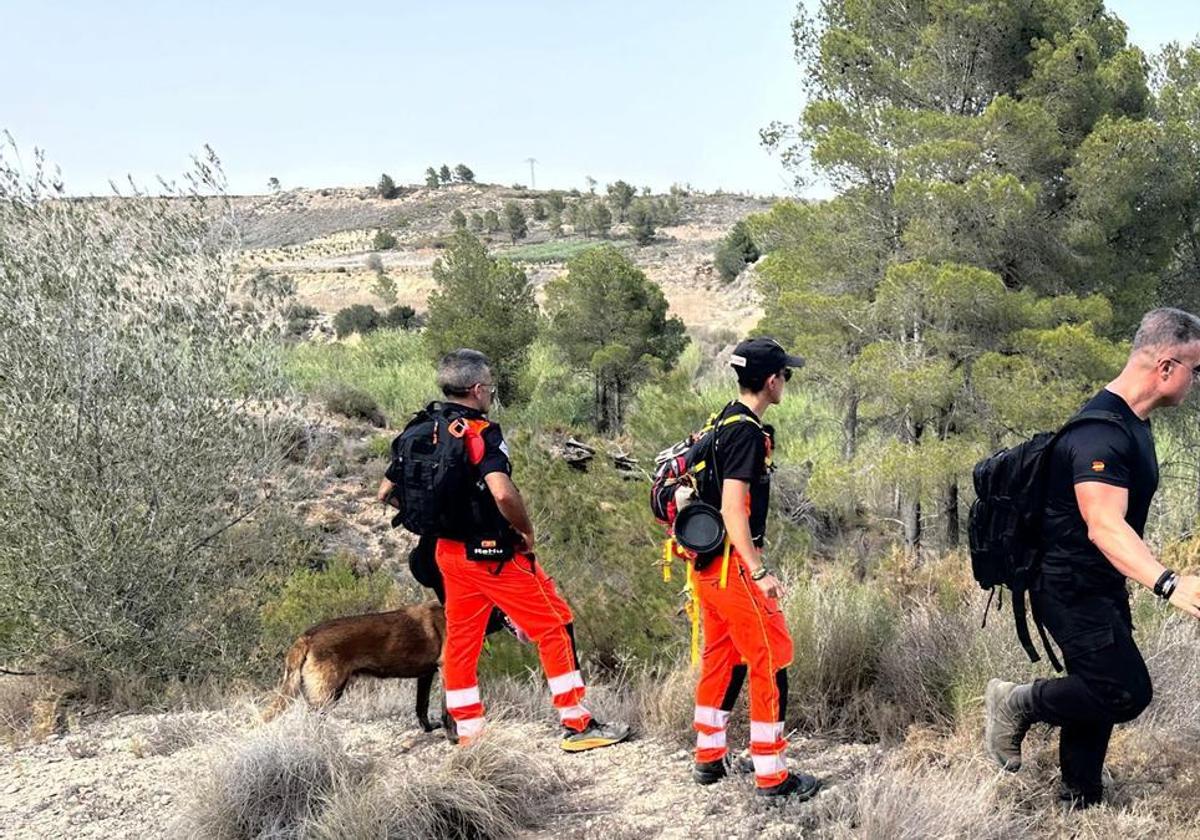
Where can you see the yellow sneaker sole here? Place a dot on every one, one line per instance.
(590, 744)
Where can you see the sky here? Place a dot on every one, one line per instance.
(317, 94)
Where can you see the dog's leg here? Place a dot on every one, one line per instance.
(449, 724)
(424, 684)
(322, 684)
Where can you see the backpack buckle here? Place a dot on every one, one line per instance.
(457, 427)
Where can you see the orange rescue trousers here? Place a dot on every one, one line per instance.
(744, 630)
(524, 592)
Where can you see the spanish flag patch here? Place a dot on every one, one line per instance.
(1097, 466)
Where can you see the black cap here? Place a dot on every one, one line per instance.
(757, 357)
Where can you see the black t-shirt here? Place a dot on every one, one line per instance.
(742, 451)
(1096, 451)
(488, 453)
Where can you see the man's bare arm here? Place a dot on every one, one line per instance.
(734, 493)
(1103, 507)
(737, 520)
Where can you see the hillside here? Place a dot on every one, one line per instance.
(322, 238)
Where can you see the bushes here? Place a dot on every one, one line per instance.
(384, 240)
(359, 318)
(363, 318)
(897, 801)
(386, 188)
(349, 401)
(840, 632)
(126, 440)
(393, 367)
(310, 597)
(299, 319)
(641, 222)
(597, 538)
(736, 251)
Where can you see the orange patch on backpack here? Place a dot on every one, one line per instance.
(1097, 466)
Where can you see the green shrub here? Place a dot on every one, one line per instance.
(392, 366)
(641, 222)
(384, 240)
(309, 597)
(299, 319)
(736, 251)
(128, 446)
(351, 402)
(359, 318)
(386, 187)
(379, 446)
(598, 539)
(400, 317)
(557, 396)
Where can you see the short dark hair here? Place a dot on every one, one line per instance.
(1166, 327)
(753, 382)
(460, 369)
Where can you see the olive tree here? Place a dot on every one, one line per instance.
(142, 414)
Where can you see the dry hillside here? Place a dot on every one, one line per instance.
(322, 239)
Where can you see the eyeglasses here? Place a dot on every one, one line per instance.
(1195, 371)
(786, 374)
(490, 387)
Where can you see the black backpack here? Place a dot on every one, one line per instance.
(429, 470)
(1004, 524)
(691, 462)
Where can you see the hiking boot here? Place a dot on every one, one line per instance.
(800, 785)
(1009, 713)
(709, 772)
(595, 735)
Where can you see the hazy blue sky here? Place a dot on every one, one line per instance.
(320, 94)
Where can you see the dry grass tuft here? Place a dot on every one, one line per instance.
(272, 782)
(899, 802)
(30, 708)
(493, 788)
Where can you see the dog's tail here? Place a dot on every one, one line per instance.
(289, 686)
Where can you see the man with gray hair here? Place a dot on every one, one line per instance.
(1101, 477)
(484, 552)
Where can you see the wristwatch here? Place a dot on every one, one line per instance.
(760, 573)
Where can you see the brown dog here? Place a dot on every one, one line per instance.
(403, 643)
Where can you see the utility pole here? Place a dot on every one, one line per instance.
(531, 162)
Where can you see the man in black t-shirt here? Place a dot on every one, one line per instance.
(1101, 478)
(744, 629)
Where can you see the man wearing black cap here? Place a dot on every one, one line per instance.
(744, 628)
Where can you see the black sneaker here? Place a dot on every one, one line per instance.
(800, 785)
(710, 772)
(595, 735)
